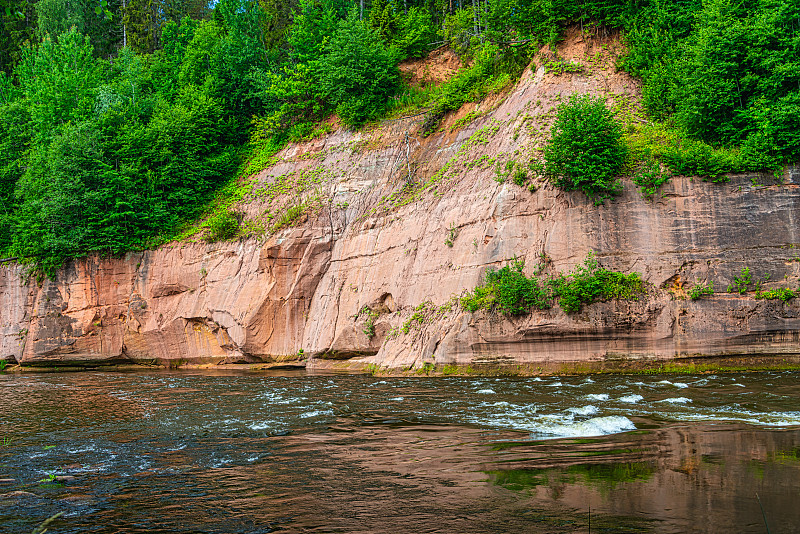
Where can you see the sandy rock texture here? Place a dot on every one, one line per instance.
(397, 226)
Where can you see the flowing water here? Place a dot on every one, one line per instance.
(292, 452)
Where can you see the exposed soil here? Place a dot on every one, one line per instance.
(438, 67)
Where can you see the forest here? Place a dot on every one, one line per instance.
(120, 120)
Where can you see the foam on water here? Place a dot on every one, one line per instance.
(677, 400)
(679, 385)
(486, 391)
(314, 413)
(773, 419)
(597, 426)
(631, 399)
(597, 396)
(584, 410)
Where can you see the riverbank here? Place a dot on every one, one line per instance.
(730, 364)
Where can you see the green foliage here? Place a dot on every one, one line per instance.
(650, 177)
(520, 176)
(492, 69)
(513, 292)
(510, 292)
(700, 290)
(726, 72)
(416, 33)
(107, 160)
(222, 226)
(585, 151)
(741, 282)
(452, 234)
(288, 217)
(780, 293)
(653, 146)
(562, 66)
(410, 32)
(358, 75)
(59, 80)
(369, 324)
(590, 283)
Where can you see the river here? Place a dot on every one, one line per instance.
(288, 451)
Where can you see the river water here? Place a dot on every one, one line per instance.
(292, 452)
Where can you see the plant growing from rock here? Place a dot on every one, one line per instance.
(585, 152)
(741, 282)
(700, 290)
(781, 293)
(510, 292)
(452, 234)
(650, 177)
(369, 325)
(222, 226)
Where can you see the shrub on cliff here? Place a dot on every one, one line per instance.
(590, 282)
(585, 152)
(510, 292)
(222, 226)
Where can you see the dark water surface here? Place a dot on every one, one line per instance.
(231, 453)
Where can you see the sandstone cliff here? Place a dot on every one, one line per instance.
(403, 224)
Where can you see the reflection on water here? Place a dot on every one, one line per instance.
(183, 452)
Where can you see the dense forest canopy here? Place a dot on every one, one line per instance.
(120, 119)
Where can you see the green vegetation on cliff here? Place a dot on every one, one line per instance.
(121, 121)
(510, 292)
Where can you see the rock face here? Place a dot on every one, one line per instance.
(397, 226)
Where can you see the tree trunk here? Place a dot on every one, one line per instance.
(124, 25)
(474, 19)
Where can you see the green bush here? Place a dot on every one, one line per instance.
(590, 283)
(585, 151)
(741, 282)
(650, 177)
(510, 292)
(781, 293)
(221, 226)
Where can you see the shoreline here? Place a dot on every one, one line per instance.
(697, 365)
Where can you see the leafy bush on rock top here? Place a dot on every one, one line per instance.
(585, 152)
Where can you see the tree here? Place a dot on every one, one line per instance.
(358, 74)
